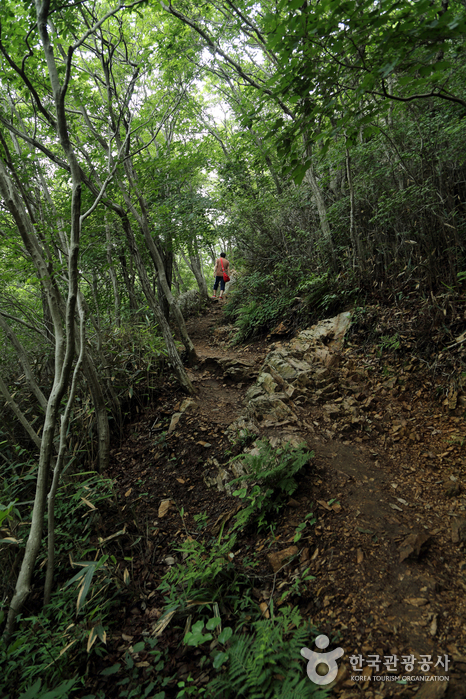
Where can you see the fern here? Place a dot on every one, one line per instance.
(275, 471)
(266, 663)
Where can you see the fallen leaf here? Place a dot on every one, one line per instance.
(162, 623)
(89, 504)
(360, 556)
(395, 507)
(264, 607)
(323, 504)
(164, 507)
(417, 601)
(125, 637)
(180, 480)
(278, 558)
(128, 493)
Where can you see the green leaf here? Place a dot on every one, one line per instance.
(213, 623)
(85, 587)
(61, 691)
(32, 691)
(225, 635)
(112, 670)
(219, 659)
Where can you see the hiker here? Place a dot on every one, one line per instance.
(221, 266)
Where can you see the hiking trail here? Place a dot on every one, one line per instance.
(386, 487)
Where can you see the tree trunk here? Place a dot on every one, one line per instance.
(167, 259)
(319, 200)
(173, 355)
(112, 274)
(357, 261)
(129, 283)
(59, 464)
(195, 264)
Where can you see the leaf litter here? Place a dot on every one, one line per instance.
(386, 578)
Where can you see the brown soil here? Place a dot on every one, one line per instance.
(387, 550)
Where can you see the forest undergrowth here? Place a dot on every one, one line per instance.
(174, 587)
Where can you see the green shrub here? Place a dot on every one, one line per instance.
(272, 472)
(53, 643)
(265, 662)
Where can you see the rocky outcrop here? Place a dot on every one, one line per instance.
(189, 302)
(301, 371)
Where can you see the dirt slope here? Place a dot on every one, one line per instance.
(387, 550)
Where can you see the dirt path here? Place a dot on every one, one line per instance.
(387, 550)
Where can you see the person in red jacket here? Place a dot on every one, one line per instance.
(221, 265)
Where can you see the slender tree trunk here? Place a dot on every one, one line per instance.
(23, 358)
(19, 414)
(195, 265)
(112, 274)
(101, 414)
(129, 283)
(154, 252)
(59, 464)
(173, 356)
(357, 261)
(319, 200)
(167, 259)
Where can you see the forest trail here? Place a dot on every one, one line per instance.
(387, 550)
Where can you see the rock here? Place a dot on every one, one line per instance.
(413, 545)
(300, 365)
(241, 428)
(305, 379)
(270, 408)
(174, 421)
(189, 406)
(253, 392)
(297, 347)
(266, 382)
(190, 302)
(219, 480)
(277, 361)
(432, 690)
(294, 440)
(332, 410)
(326, 356)
(238, 369)
(278, 558)
(458, 530)
(331, 329)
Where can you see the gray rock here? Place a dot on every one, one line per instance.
(270, 408)
(189, 406)
(190, 302)
(238, 369)
(266, 382)
(279, 363)
(253, 392)
(174, 421)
